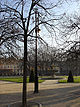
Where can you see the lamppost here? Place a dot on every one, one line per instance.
(36, 34)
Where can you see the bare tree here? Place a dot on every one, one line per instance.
(17, 25)
(70, 30)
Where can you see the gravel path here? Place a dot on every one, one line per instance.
(51, 93)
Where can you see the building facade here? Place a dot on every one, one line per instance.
(10, 66)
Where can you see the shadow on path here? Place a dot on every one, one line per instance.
(57, 96)
(47, 97)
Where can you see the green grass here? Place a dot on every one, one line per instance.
(76, 80)
(17, 79)
(64, 77)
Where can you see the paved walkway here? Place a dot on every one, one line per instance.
(51, 93)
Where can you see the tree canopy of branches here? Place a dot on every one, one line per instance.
(17, 25)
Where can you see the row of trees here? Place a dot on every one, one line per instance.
(46, 58)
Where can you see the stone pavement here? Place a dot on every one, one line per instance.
(51, 93)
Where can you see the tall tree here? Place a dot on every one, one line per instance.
(15, 19)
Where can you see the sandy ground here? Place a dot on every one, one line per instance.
(51, 93)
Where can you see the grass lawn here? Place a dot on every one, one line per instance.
(76, 79)
(17, 79)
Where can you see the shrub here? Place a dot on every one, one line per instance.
(70, 77)
(32, 77)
